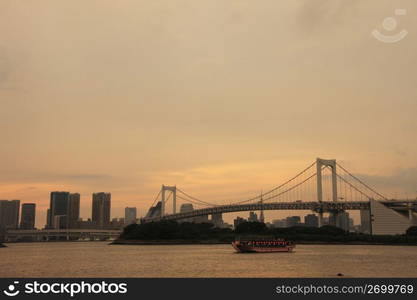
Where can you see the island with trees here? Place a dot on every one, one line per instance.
(172, 232)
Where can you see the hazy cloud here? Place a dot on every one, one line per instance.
(403, 181)
(318, 13)
(83, 177)
(5, 68)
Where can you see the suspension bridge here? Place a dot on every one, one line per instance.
(322, 187)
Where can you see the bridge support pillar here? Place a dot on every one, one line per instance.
(333, 218)
(410, 213)
(332, 164)
(173, 190)
(320, 219)
(162, 201)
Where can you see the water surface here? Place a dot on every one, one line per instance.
(98, 259)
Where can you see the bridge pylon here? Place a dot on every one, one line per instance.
(327, 163)
(173, 190)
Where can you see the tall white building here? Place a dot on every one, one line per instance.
(130, 215)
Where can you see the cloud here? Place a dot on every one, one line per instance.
(319, 13)
(5, 68)
(77, 177)
(404, 180)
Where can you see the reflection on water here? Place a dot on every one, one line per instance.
(98, 259)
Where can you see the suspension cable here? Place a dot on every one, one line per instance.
(169, 196)
(363, 183)
(291, 188)
(352, 186)
(192, 201)
(195, 199)
(156, 198)
(278, 187)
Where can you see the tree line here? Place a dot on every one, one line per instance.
(172, 230)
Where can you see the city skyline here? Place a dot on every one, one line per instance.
(28, 213)
(82, 211)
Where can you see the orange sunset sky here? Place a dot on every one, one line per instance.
(221, 98)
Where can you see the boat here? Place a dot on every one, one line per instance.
(263, 246)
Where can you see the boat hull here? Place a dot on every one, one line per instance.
(244, 248)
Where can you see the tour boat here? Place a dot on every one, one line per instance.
(263, 246)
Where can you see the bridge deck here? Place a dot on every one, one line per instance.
(313, 206)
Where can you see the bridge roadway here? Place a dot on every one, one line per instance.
(325, 206)
(298, 205)
(70, 234)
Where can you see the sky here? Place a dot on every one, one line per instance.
(221, 98)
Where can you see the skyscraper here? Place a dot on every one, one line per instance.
(253, 217)
(217, 220)
(59, 206)
(27, 221)
(342, 220)
(9, 214)
(186, 207)
(311, 220)
(293, 221)
(73, 210)
(48, 218)
(279, 223)
(130, 215)
(101, 209)
(238, 221)
(365, 221)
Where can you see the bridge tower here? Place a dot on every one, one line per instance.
(173, 190)
(327, 163)
(261, 216)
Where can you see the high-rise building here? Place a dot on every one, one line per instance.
(351, 224)
(59, 206)
(27, 221)
(48, 218)
(293, 221)
(262, 216)
(342, 220)
(253, 217)
(9, 214)
(73, 210)
(217, 220)
(130, 215)
(154, 211)
(238, 221)
(365, 221)
(60, 222)
(101, 209)
(311, 220)
(279, 223)
(186, 207)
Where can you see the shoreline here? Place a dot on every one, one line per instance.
(210, 242)
(216, 242)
